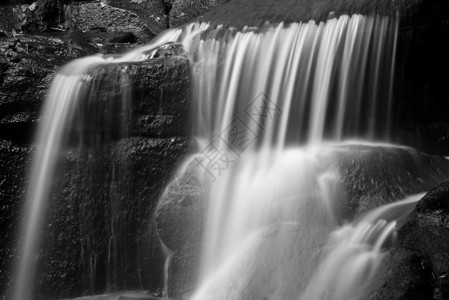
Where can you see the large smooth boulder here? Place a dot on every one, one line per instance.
(180, 220)
(372, 176)
(419, 268)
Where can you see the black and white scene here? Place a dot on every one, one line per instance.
(224, 150)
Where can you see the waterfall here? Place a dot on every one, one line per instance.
(271, 108)
(69, 87)
(268, 101)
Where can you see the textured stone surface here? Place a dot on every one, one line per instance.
(101, 235)
(27, 65)
(14, 162)
(98, 16)
(372, 176)
(159, 95)
(179, 218)
(183, 11)
(419, 268)
(153, 13)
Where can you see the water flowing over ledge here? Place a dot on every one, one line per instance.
(266, 101)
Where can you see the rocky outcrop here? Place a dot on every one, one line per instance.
(419, 267)
(14, 162)
(153, 13)
(118, 181)
(183, 11)
(98, 17)
(372, 176)
(101, 235)
(159, 94)
(27, 66)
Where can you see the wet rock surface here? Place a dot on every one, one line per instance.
(84, 254)
(419, 268)
(158, 92)
(101, 235)
(179, 219)
(14, 161)
(372, 176)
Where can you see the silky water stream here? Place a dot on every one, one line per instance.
(271, 109)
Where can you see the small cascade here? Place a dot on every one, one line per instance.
(66, 111)
(58, 110)
(356, 250)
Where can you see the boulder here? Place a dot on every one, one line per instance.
(372, 176)
(419, 268)
(179, 218)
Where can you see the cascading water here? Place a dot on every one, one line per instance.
(263, 115)
(66, 91)
(266, 103)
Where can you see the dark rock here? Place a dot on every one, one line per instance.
(42, 15)
(183, 11)
(101, 214)
(27, 65)
(95, 15)
(373, 176)
(10, 18)
(120, 296)
(404, 275)
(170, 49)
(179, 218)
(420, 111)
(419, 268)
(153, 13)
(14, 161)
(159, 91)
(239, 13)
(102, 210)
(127, 37)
